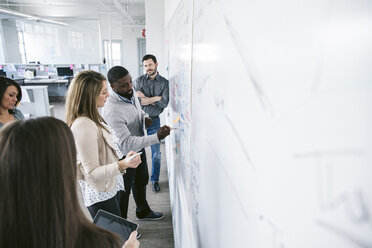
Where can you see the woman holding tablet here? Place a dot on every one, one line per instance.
(98, 166)
(38, 200)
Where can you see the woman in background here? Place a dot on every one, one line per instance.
(10, 96)
(101, 172)
(38, 200)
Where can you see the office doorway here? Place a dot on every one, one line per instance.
(113, 53)
(141, 52)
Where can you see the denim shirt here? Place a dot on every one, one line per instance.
(18, 115)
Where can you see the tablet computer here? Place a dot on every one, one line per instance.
(115, 224)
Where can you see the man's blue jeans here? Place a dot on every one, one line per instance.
(155, 151)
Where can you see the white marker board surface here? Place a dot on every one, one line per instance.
(274, 99)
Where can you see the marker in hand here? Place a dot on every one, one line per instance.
(128, 159)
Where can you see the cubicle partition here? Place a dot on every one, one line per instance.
(35, 102)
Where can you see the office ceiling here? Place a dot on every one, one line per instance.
(130, 12)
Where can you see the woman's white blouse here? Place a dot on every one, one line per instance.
(92, 196)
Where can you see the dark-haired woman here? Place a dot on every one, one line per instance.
(39, 207)
(10, 96)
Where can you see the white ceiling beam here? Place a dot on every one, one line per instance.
(29, 17)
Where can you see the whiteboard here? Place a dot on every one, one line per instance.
(181, 181)
(274, 148)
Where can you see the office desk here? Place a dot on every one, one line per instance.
(47, 80)
(57, 87)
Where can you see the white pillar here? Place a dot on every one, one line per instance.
(155, 33)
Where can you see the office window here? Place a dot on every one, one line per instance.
(114, 52)
(52, 44)
(38, 29)
(22, 48)
(27, 27)
(75, 39)
(49, 30)
(36, 42)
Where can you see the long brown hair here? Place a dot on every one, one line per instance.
(82, 97)
(39, 207)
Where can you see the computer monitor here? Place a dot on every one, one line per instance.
(65, 71)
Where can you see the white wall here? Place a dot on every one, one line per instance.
(130, 50)
(111, 28)
(155, 33)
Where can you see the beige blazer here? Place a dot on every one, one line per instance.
(97, 159)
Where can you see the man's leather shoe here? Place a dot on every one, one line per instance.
(155, 186)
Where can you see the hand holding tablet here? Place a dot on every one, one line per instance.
(115, 224)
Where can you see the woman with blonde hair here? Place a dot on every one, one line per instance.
(40, 208)
(99, 167)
